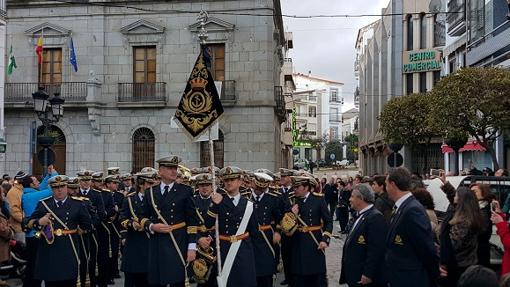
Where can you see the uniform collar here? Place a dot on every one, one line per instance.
(401, 200)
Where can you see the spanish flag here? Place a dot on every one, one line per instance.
(39, 50)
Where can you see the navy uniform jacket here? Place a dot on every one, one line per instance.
(201, 207)
(411, 256)
(306, 259)
(136, 249)
(243, 272)
(363, 252)
(267, 213)
(57, 261)
(118, 200)
(165, 265)
(97, 203)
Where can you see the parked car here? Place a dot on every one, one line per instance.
(500, 187)
(342, 163)
(321, 163)
(301, 164)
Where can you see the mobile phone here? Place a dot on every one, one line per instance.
(436, 172)
(493, 206)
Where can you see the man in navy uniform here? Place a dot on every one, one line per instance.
(237, 224)
(411, 257)
(287, 200)
(268, 213)
(136, 254)
(97, 213)
(206, 236)
(58, 218)
(173, 224)
(363, 252)
(308, 259)
(112, 185)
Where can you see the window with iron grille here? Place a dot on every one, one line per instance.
(143, 149)
(205, 159)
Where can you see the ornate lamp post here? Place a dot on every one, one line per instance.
(49, 111)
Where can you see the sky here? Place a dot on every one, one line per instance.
(325, 46)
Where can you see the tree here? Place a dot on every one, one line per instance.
(473, 101)
(404, 120)
(318, 144)
(352, 147)
(333, 147)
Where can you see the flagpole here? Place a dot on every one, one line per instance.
(202, 35)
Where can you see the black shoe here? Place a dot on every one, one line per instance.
(284, 282)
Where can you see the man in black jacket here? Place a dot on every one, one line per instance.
(331, 195)
(363, 252)
(411, 256)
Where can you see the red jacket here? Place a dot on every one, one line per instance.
(504, 234)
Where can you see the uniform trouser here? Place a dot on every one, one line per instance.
(344, 217)
(181, 284)
(265, 281)
(286, 257)
(28, 280)
(306, 280)
(103, 258)
(332, 208)
(84, 254)
(135, 280)
(114, 261)
(93, 245)
(66, 283)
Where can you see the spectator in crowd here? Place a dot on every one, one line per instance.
(382, 201)
(503, 231)
(31, 196)
(411, 255)
(344, 194)
(484, 196)
(505, 281)
(14, 199)
(331, 195)
(363, 251)
(357, 179)
(478, 276)
(501, 172)
(425, 198)
(459, 237)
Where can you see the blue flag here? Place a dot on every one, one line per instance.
(72, 56)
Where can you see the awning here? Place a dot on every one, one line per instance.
(470, 146)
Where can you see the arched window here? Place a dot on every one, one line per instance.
(58, 147)
(205, 159)
(143, 149)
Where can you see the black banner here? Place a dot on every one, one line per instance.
(200, 105)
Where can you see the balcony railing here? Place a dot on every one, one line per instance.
(142, 92)
(228, 91)
(3, 9)
(280, 102)
(22, 92)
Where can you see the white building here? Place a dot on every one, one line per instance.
(3, 51)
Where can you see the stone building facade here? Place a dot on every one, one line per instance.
(133, 64)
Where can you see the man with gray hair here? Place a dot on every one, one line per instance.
(363, 253)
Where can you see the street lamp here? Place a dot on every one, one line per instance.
(49, 112)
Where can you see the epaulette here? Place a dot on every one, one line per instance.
(291, 195)
(77, 198)
(275, 191)
(96, 190)
(272, 193)
(106, 190)
(318, 194)
(131, 193)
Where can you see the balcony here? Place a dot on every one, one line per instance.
(482, 51)
(21, 93)
(3, 10)
(228, 92)
(280, 103)
(142, 93)
(456, 18)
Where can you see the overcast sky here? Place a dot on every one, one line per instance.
(325, 46)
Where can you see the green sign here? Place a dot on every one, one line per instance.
(421, 61)
(295, 133)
